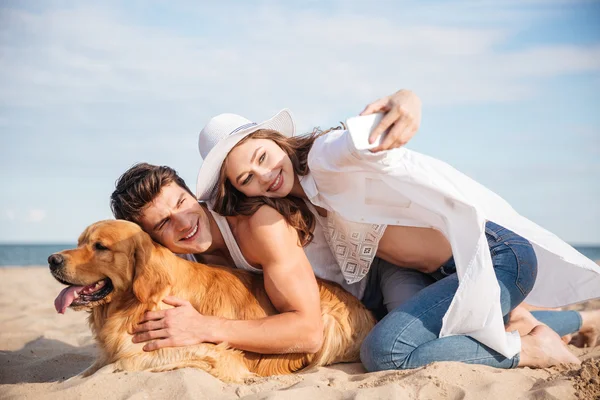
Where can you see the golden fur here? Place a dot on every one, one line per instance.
(143, 272)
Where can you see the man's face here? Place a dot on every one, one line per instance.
(177, 221)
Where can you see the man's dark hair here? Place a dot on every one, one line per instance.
(139, 186)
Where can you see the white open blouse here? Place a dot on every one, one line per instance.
(363, 191)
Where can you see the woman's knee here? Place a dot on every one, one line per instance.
(375, 353)
(385, 349)
(513, 256)
(515, 265)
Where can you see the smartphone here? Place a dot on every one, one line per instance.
(360, 128)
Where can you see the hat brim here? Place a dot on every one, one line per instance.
(282, 122)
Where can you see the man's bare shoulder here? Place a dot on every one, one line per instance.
(265, 218)
(264, 232)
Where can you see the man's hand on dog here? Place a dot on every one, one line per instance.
(182, 325)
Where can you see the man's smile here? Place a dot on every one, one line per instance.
(192, 233)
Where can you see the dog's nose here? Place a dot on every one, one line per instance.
(55, 261)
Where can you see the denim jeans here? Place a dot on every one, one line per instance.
(407, 337)
(389, 286)
(561, 322)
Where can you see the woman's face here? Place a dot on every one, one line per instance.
(259, 167)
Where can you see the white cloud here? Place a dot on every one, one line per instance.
(91, 55)
(36, 215)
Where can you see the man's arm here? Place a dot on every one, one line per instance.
(290, 284)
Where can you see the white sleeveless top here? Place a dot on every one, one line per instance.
(353, 244)
(317, 252)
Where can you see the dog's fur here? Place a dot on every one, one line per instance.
(143, 272)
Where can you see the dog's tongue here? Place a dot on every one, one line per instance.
(65, 298)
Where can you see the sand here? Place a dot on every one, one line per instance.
(40, 350)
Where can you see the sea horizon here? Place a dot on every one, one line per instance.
(30, 254)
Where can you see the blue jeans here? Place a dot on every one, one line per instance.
(407, 337)
(561, 322)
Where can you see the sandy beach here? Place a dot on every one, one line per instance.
(40, 350)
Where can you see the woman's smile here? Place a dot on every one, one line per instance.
(277, 183)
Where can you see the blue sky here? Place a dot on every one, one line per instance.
(511, 93)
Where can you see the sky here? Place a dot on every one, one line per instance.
(510, 91)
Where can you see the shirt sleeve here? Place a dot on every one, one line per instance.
(336, 152)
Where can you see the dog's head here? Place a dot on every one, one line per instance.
(113, 258)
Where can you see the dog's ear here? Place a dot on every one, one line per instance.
(152, 278)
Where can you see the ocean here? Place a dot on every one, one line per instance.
(37, 254)
(29, 254)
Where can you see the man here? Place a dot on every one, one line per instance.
(159, 201)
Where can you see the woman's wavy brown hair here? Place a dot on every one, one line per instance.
(230, 201)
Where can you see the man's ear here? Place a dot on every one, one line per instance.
(152, 278)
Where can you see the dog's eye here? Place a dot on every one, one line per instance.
(100, 246)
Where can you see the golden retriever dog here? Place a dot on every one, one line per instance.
(117, 273)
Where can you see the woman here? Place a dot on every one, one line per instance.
(492, 282)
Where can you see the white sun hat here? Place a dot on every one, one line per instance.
(221, 134)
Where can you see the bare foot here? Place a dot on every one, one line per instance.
(567, 338)
(589, 334)
(521, 320)
(542, 348)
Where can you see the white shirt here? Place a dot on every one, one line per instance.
(403, 187)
